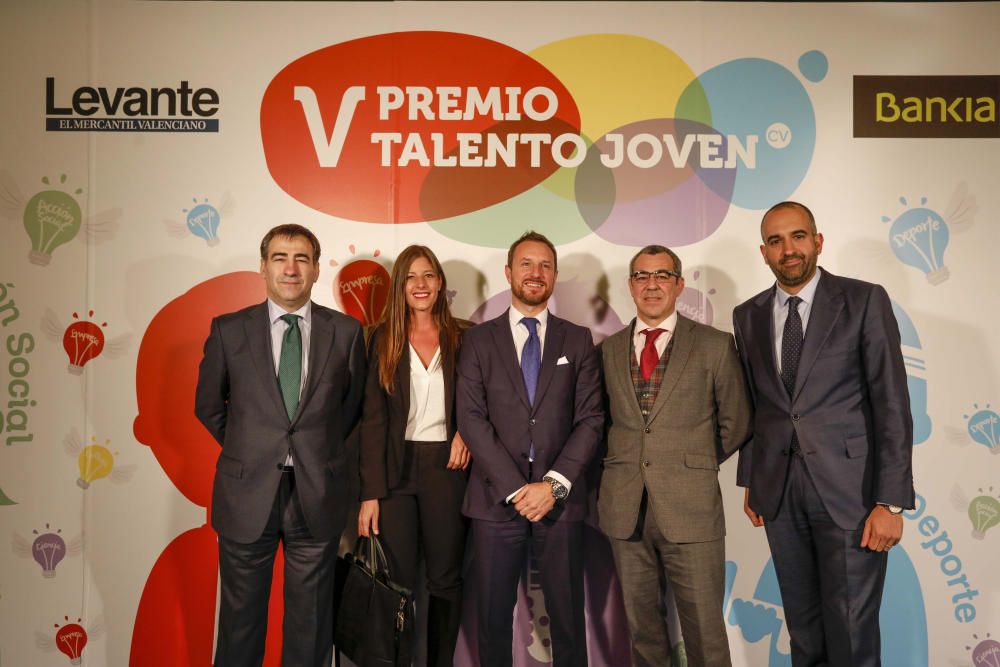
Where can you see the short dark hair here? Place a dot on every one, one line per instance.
(789, 204)
(533, 236)
(290, 231)
(656, 250)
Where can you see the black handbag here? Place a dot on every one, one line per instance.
(373, 615)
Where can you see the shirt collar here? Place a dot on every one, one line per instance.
(274, 312)
(668, 324)
(516, 316)
(807, 293)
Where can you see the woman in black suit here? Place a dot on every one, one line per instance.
(413, 460)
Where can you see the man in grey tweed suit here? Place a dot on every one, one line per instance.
(678, 407)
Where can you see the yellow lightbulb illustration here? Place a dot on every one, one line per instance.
(95, 462)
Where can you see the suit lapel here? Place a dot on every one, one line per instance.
(679, 355)
(403, 380)
(826, 309)
(618, 348)
(762, 326)
(552, 351)
(321, 337)
(504, 343)
(258, 333)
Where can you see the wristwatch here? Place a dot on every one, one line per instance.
(893, 509)
(559, 491)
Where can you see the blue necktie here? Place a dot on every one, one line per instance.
(531, 363)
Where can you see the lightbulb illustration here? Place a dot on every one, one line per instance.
(83, 340)
(51, 218)
(361, 288)
(919, 237)
(71, 639)
(48, 550)
(984, 428)
(96, 462)
(203, 221)
(984, 512)
(986, 653)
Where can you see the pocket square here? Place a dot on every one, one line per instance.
(562, 360)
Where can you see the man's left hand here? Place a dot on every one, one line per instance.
(534, 501)
(883, 530)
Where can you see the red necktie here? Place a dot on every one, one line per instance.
(649, 358)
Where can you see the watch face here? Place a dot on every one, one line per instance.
(894, 509)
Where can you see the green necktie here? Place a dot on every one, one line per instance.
(290, 364)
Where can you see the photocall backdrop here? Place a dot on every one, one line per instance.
(147, 146)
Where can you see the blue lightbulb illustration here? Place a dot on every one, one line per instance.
(984, 428)
(916, 374)
(203, 221)
(919, 237)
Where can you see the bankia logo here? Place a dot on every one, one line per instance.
(926, 106)
(130, 109)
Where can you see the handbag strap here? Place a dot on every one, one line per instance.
(375, 560)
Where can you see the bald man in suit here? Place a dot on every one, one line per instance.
(829, 468)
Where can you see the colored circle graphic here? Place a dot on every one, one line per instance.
(758, 101)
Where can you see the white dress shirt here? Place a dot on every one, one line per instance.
(520, 333)
(425, 421)
(639, 338)
(780, 311)
(278, 328)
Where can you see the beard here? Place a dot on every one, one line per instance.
(795, 275)
(527, 299)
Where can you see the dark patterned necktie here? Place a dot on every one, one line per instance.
(649, 358)
(290, 364)
(791, 345)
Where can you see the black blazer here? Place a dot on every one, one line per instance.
(850, 407)
(383, 422)
(239, 401)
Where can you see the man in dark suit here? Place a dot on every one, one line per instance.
(828, 471)
(679, 406)
(529, 409)
(279, 388)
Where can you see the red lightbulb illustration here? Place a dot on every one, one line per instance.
(82, 341)
(71, 639)
(361, 289)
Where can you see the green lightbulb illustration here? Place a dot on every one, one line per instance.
(984, 512)
(51, 218)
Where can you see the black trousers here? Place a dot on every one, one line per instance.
(245, 572)
(831, 588)
(500, 550)
(424, 513)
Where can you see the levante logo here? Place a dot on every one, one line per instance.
(467, 133)
(131, 109)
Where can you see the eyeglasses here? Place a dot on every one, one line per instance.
(661, 276)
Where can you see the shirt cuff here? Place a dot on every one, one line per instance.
(507, 501)
(562, 480)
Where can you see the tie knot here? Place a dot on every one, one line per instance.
(652, 335)
(794, 301)
(531, 323)
(291, 319)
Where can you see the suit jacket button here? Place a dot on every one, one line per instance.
(531, 421)
(648, 429)
(795, 417)
(291, 431)
(646, 463)
(281, 465)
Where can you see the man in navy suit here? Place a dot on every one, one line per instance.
(828, 471)
(529, 409)
(279, 388)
